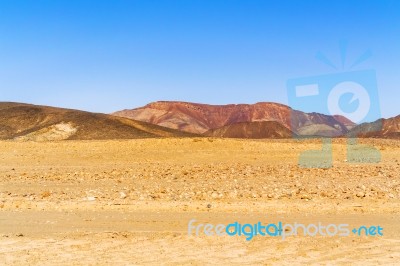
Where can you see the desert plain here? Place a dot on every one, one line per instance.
(130, 201)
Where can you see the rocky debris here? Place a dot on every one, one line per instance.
(218, 182)
(211, 173)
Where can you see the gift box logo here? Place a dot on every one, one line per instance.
(351, 94)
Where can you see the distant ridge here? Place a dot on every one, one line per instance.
(24, 122)
(200, 118)
(382, 128)
(40, 123)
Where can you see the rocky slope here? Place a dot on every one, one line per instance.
(382, 128)
(252, 130)
(200, 118)
(41, 123)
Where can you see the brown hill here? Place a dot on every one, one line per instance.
(199, 118)
(252, 130)
(32, 122)
(345, 121)
(382, 128)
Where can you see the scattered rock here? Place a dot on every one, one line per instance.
(306, 197)
(214, 195)
(360, 194)
(46, 194)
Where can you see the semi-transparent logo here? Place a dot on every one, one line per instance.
(341, 96)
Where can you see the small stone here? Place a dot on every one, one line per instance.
(209, 206)
(122, 195)
(324, 194)
(91, 198)
(360, 194)
(306, 197)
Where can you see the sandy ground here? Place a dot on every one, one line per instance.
(129, 202)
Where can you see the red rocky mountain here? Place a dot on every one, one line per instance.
(200, 118)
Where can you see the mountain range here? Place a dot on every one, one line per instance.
(201, 118)
(182, 119)
(243, 121)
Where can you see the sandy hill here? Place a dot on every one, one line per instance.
(252, 130)
(200, 118)
(41, 123)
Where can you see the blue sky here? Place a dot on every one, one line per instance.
(109, 55)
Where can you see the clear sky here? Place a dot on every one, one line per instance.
(109, 55)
